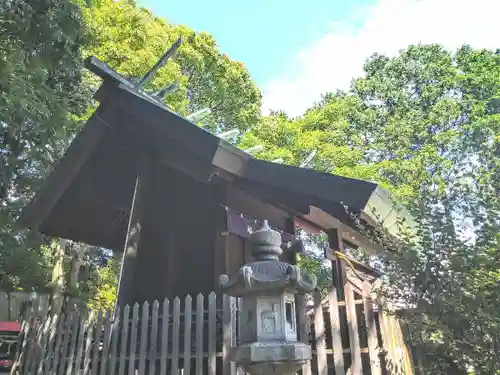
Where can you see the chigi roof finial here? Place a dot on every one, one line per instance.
(149, 75)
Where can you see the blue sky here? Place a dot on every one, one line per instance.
(264, 34)
(297, 50)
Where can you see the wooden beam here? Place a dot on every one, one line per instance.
(180, 159)
(230, 159)
(325, 303)
(325, 221)
(338, 274)
(352, 325)
(219, 257)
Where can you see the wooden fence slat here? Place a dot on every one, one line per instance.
(57, 347)
(43, 344)
(4, 306)
(106, 343)
(18, 365)
(67, 342)
(211, 342)
(133, 340)
(144, 338)
(10, 315)
(304, 330)
(79, 344)
(33, 309)
(20, 360)
(383, 325)
(319, 334)
(387, 337)
(188, 314)
(44, 304)
(407, 358)
(371, 330)
(72, 344)
(153, 340)
(199, 333)
(333, 310)
(124, 339)
(402, 355)
(88, 344)
(70, 330)
(35, 336)
(27, 357)
(52, 344)
(176, 313)
(226, 334)
(164, 336)
(234, 311)
(352, 323)
(394, 358)
(115, 336)
(96, 343)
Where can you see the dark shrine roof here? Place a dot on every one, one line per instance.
(87, 197)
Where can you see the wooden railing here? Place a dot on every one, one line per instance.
(194, 336)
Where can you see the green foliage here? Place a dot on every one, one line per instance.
(423, 125)
(100, 289)
(130, 39)
(313, 260)
(435, 137)
(40, 85)
(45, 91)
(452, 282)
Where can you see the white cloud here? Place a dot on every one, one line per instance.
(389, 26)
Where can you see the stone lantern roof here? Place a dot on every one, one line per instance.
(267, 274)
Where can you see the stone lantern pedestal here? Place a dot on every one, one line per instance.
(268, 342)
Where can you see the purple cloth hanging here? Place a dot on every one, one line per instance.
(237, 224)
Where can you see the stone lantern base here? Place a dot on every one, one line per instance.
(271, 358)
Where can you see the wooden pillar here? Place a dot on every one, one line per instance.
(345, 292)
(336, 292)
(338, 275)
(220, 236)
(129, 259)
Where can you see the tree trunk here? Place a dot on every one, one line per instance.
(58, 276)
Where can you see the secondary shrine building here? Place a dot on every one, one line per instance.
(175, 199)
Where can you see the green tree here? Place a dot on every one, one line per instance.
(425, 125)
(45, 92)
(99, 280)
(40, 89)
(451, 278)
(130, 39)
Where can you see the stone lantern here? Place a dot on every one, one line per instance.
(268, 342)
